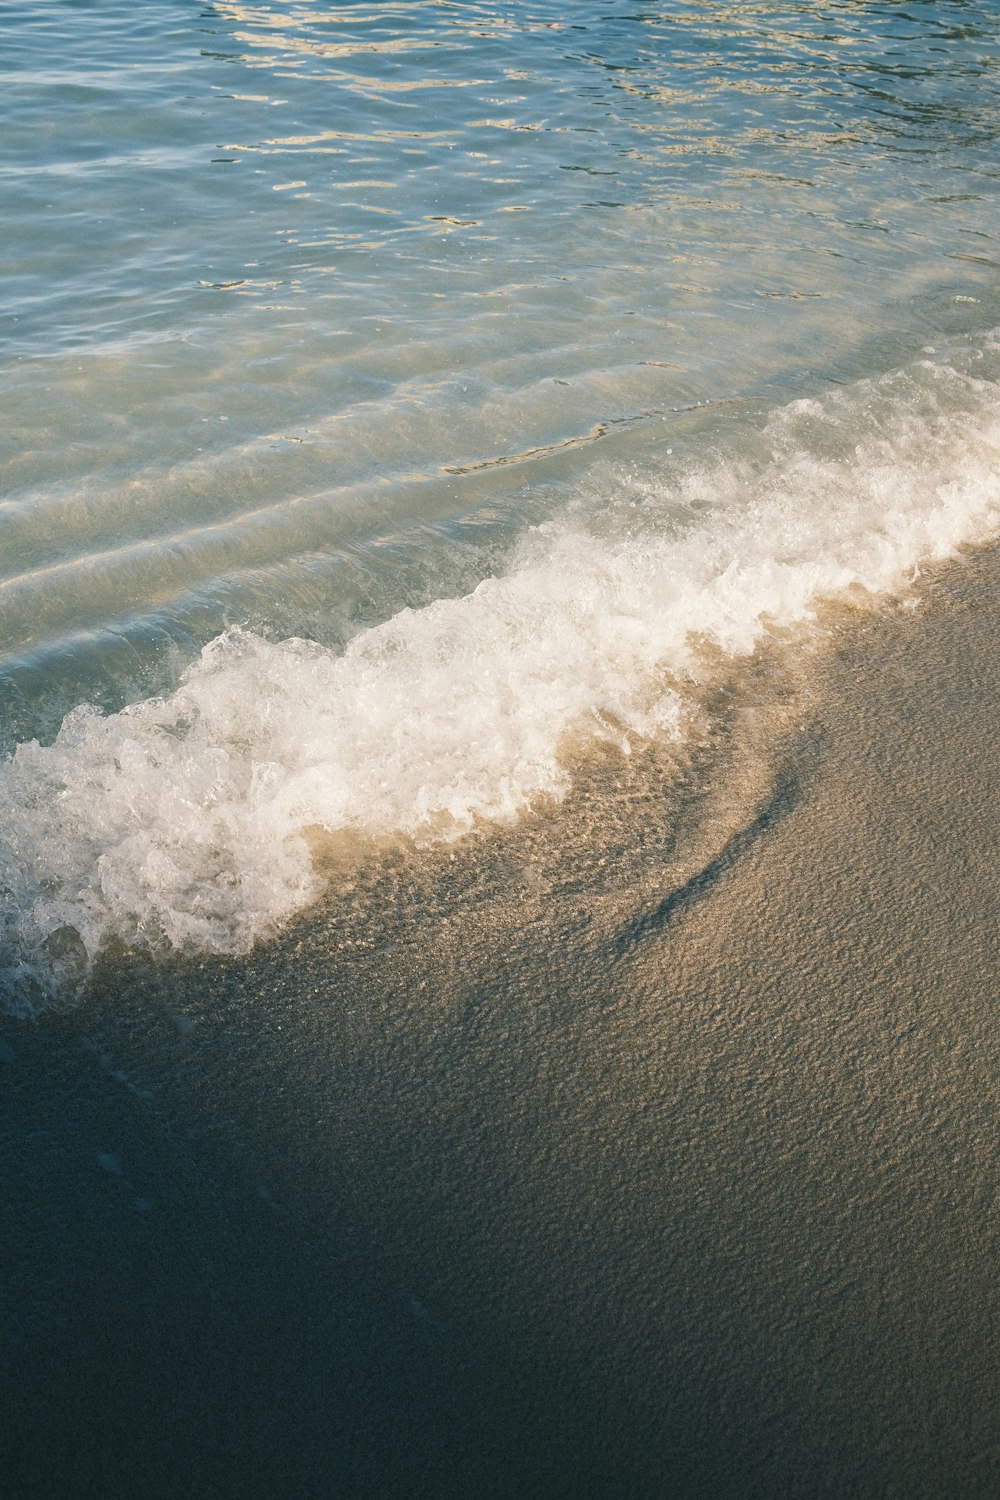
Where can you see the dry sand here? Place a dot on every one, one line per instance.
(649, 1149)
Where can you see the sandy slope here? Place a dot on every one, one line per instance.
(649, 1149)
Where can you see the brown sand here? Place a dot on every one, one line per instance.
(648, 1149)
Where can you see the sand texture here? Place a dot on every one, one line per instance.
(647, 1149)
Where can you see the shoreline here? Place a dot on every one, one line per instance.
(645, 1148)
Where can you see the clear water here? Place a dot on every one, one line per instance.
(446, 372)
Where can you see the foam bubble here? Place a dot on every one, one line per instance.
(182, 820)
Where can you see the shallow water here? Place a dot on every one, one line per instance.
(486, 313)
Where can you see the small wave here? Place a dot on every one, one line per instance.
(183, 821)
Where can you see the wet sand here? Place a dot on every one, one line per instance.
(649, 1149)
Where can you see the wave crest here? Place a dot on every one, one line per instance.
(182, 820)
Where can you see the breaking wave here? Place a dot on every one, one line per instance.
(182, 821)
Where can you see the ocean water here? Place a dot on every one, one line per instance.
(401, 397)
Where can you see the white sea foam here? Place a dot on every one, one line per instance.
(180, 821)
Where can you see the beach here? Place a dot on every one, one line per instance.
(499, 676)
(593, 1157)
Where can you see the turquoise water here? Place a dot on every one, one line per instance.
(445, 371)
